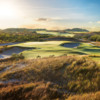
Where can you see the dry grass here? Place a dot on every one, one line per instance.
(31, 91)
(74, 74)
(90, 96)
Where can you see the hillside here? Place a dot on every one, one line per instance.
(49, 78)
(77, 30)
(15, 30)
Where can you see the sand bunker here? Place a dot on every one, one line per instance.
(9, 43)
(71, 45)
(41, 43)
(9, 52)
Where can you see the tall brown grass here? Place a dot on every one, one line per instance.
(89, 96)
(68, 74)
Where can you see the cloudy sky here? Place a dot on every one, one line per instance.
(51, 14)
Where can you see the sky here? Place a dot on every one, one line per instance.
(50, 14)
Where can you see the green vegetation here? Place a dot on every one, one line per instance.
(66, 34)
(22, 37)
(21, 30)
(77, 30)
(95, 36)
(45, 49)
(17, 56)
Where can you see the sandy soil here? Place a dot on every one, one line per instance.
(9, 43)
(8, 53)
(11, 68)
(71, 45)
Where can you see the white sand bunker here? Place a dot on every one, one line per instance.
(71, 45)
(9, 43)
(9, 52)
(40, 43)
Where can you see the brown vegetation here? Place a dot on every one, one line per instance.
(66, 75)
(89, 96)
(31, 91)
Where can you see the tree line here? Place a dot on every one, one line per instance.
(89, 36)
(21, 37)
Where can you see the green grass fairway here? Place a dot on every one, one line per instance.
(56, 33)
(45, 49)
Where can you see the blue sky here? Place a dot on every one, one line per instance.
(55, 14)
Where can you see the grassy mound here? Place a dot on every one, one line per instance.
(31, 91)
(89, 96)
(76, 73)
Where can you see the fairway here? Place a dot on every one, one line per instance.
(57, 33)
(55, 48)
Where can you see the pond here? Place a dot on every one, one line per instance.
(71, 45)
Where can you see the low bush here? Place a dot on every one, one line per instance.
(17, 56)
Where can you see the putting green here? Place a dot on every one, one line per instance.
(45, 49)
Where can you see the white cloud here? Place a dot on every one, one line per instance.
(48, 19)
(43, 19)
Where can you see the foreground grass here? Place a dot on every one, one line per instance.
(50, 78)
(31, 91)
(88, 96)
(40, 91)
(76, 73)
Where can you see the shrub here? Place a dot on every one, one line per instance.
(1, 51)
(17, 56)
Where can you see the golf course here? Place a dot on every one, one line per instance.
(58, 62)
(52, 48)
(49, 49)
(56, 48)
